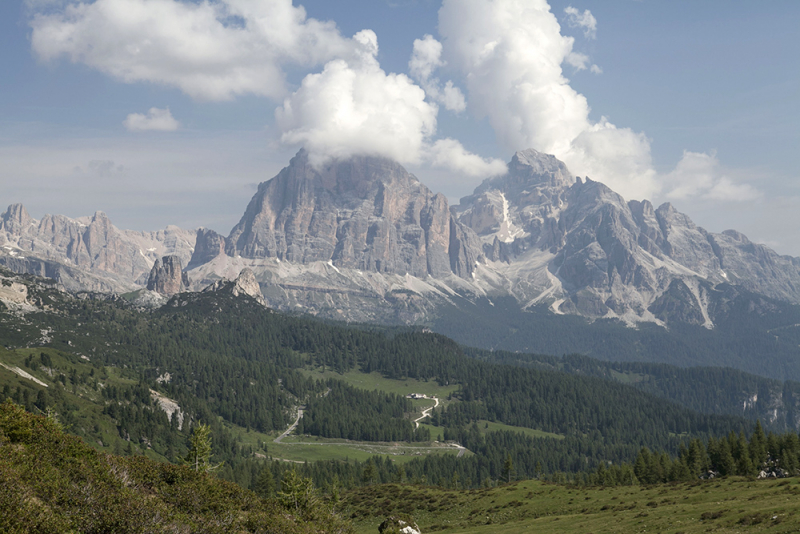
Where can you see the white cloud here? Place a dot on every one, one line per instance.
(511, 53)
(212, 50)
(424, 61)
(699, 176)
(451, 154)
(578, 60)
(156, 119)
(353, 107)
(584, 20)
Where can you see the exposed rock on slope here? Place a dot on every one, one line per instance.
(245, 284)
(167, 276)
(364, 240)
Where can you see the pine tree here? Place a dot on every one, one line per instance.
(264, 485)
(199, 455)
(368, 477)
(508, 469)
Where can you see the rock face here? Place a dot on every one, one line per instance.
(363, 240)
(581, 248)
(364, 213)
(167, 276)
(88, 253)
(245, 284)
(208, 245)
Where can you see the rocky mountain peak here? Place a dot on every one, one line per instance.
(208, 245)
(167, 276)
(15, 219)
(365, 213)
(540, 168)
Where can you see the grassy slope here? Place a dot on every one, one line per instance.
(87, 402)
(728, 505)
(53, 482)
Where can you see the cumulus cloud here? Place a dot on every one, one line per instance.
(451, 154)
(511, 54)
(211, 50)
(584, 20)
(699, 175)
(354, 107)
(156, 119)
(426, 58)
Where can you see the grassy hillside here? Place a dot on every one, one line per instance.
(53, 482)
(727, 505)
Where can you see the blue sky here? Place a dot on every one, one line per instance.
(695, 103)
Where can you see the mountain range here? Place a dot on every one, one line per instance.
(363, 240)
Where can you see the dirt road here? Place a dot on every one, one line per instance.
(426, 412)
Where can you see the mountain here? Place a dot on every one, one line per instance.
(580, 248)
(362, 240)
(88, 253)
(364, 213)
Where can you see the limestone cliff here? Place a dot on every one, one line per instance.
(167, 276)
(364, 213)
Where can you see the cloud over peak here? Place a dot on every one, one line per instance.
(511, 54)
(353, 107)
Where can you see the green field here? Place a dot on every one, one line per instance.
(307, 448)
(371, 381)
(728, 505)
(437, 433)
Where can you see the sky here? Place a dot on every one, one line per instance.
(165, 112)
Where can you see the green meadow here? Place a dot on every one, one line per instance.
(725, 505)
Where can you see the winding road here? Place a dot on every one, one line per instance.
(294, 425)
(426, 412)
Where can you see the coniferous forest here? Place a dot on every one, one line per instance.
(229, 363)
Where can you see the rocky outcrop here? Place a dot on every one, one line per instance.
(398, 525)
(244, 284)
(364, 213)
(362, 239)
(208, 245)
(14, 220)
(167, 276)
